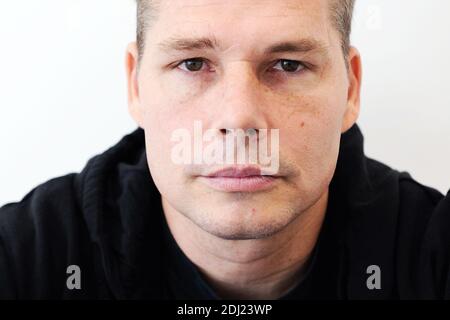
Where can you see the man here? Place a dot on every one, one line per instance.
(319, 221)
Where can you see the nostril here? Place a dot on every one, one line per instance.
(251, 131)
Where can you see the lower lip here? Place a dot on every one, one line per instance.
(242, 184)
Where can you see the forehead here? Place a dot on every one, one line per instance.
(239, 22)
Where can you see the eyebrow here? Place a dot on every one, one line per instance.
(301, 46)
(190, 44)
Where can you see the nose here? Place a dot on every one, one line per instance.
(241, 102)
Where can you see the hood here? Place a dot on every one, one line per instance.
(122, 209)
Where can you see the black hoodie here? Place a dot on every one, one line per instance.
(108, 221)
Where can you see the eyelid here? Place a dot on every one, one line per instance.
(178, 64)
(301, 63)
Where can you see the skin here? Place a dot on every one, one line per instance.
(246, 244)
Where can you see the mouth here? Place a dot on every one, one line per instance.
(239, 179)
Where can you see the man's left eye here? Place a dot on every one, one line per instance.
(193, 65)
(289, 65)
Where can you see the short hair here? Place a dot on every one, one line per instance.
(341, 17)
(341, 13)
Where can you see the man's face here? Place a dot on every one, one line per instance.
(247, 77)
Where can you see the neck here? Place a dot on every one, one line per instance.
(250, 269)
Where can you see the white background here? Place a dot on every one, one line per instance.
(63, 89)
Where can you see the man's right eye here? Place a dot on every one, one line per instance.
(192, 65)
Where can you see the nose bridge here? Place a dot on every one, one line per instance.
(239, 105)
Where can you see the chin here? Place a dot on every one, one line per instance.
(245, 233)
(233, 225)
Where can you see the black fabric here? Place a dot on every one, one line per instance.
(108, 220)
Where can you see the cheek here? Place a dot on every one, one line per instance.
(311, 136)
(164, 113)
(311, 119)
(170, 103)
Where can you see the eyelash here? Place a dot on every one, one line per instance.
(304, 65)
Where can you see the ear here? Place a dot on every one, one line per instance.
(131, 65)
(354, 89)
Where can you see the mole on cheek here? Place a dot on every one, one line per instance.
(302, 124)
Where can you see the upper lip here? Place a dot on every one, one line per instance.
(236, 172)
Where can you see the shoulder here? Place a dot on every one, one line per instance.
(412, 196)
(423, 240)
(415, 193)
(49, 204)
(404, 226)
(421, 208)
(418, 205)
(39, 235)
